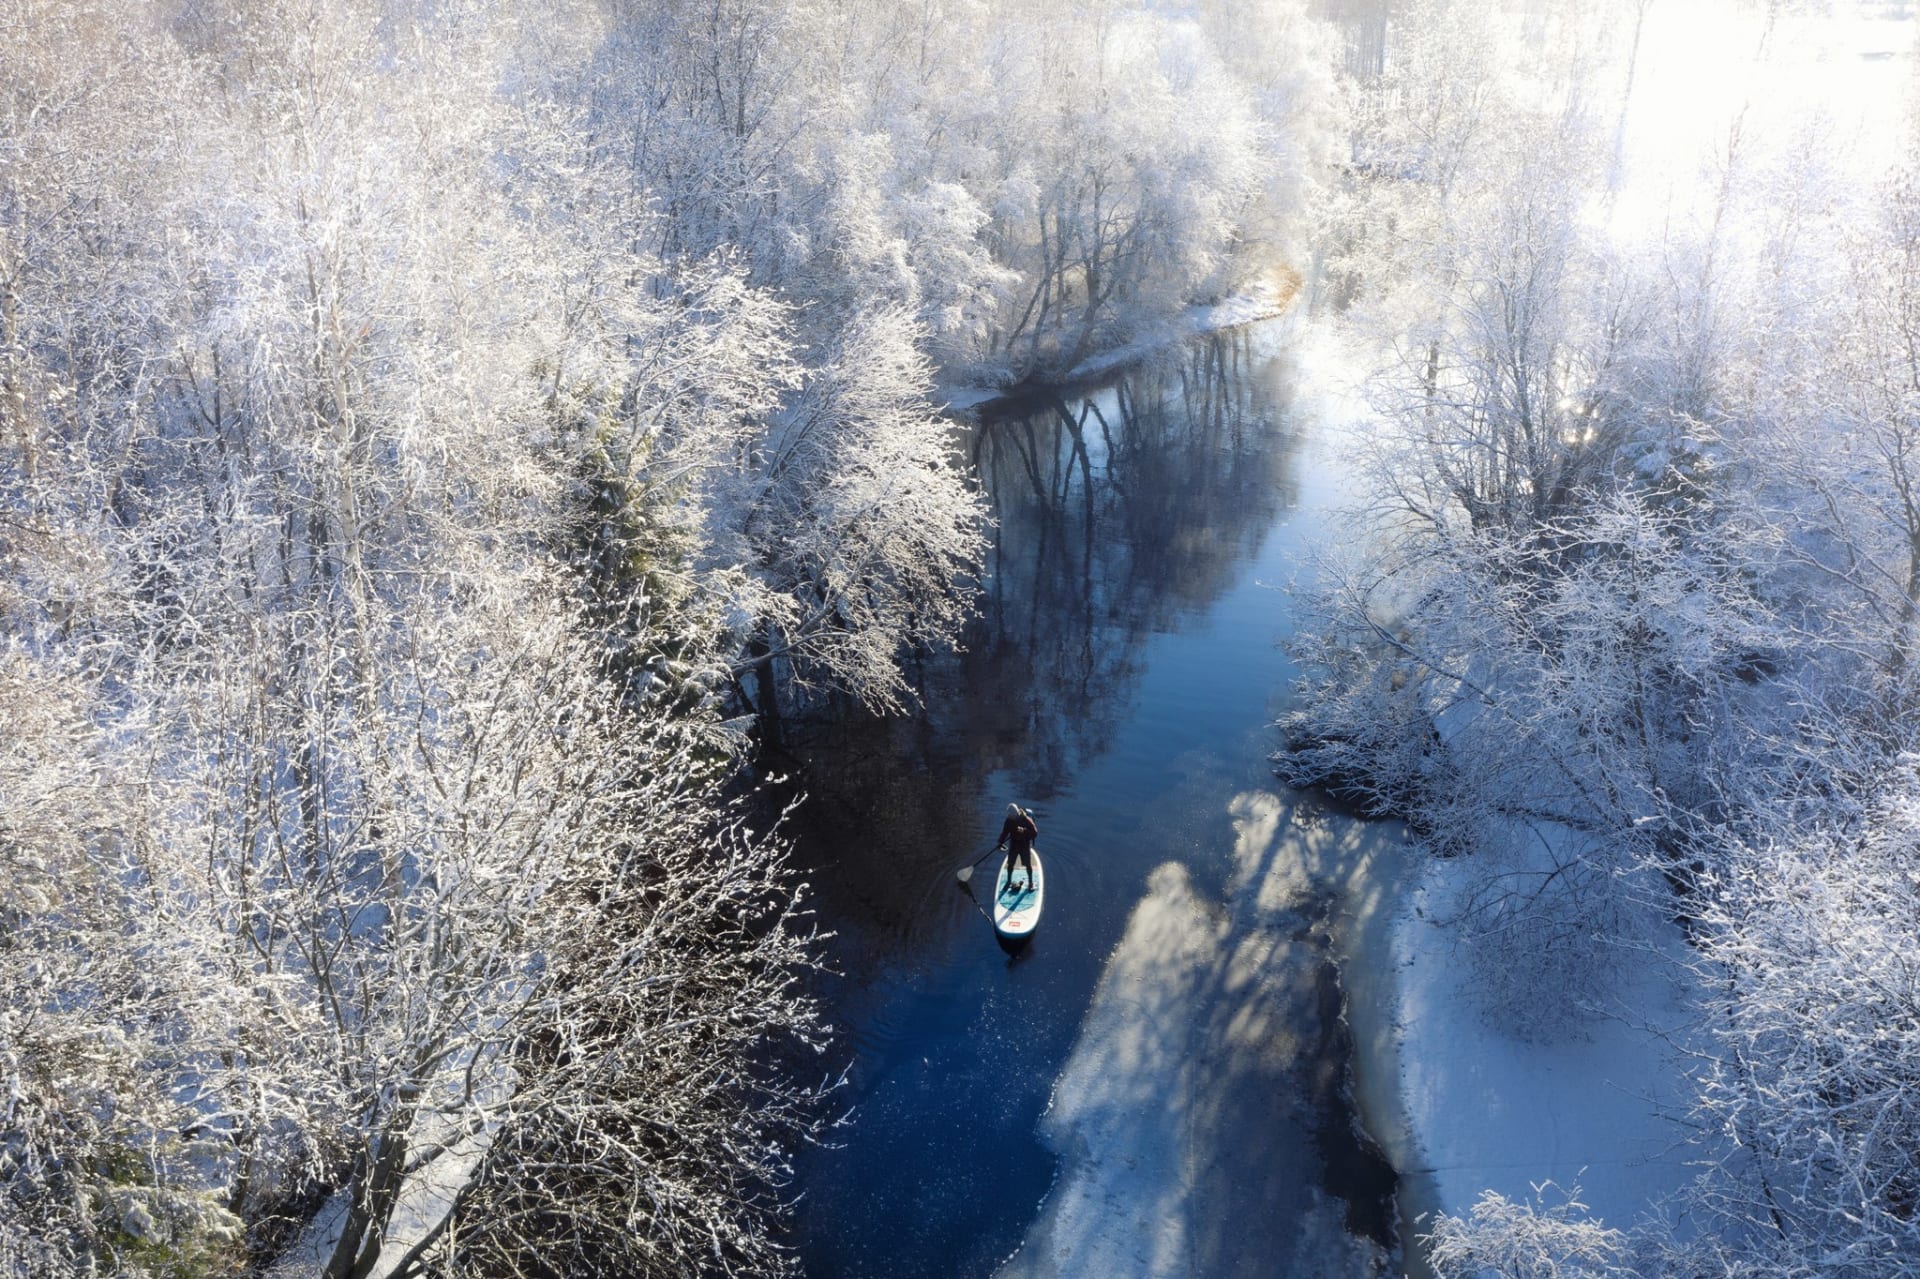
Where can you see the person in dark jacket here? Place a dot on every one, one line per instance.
(1017, 834)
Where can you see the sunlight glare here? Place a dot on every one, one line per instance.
(1713, 82)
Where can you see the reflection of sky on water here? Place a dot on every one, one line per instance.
(1101, 686)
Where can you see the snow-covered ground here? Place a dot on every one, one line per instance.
(1596, 1099)
(426, 1197)
(1263, 302)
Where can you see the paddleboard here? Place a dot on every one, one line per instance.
(1016, 899)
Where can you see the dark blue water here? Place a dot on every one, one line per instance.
(1121, 681)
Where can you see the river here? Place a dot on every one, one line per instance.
(1163, 1081)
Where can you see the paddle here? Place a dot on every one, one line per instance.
(966, 872)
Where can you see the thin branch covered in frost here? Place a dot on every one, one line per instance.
(1532, 1240)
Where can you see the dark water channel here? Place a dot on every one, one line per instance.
(1121, 681)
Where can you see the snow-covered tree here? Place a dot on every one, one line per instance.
(1020, 177)
(857, 522)
(358, 792)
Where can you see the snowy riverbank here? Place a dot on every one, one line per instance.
(1267, 301)
(1468, 1093)
(1584, 1091)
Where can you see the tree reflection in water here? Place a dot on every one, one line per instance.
(1120, 508)
(1118, 511)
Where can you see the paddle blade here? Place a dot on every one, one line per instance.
(966, 872)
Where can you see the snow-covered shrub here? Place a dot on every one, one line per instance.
(1810, 941)
(1502, 1239)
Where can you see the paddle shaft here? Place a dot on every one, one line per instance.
(966, 872)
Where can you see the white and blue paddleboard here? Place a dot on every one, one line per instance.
(1016, 899)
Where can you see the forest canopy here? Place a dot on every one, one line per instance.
(437, 441)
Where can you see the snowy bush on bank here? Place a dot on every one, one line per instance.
(1538, 1239)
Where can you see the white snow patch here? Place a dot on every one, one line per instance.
(1601, 1104)
(1268, 301)
(449, 1157)
(307, 1255)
